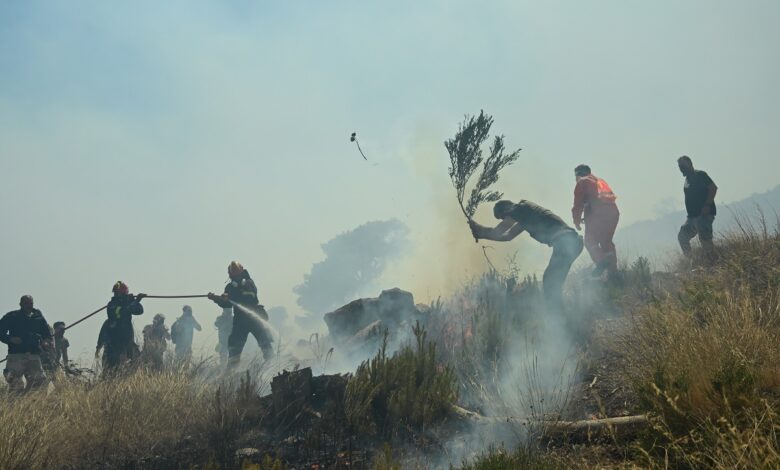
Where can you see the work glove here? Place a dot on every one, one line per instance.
(140, 297)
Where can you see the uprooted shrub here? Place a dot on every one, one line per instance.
(406, 391)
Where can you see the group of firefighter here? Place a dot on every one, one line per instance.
(32, 343)
(36, 350)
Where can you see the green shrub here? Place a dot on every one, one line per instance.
(385, 460)
(408, 390)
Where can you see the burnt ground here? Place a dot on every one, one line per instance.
(305, 426)
(302, 423)
(600, 393)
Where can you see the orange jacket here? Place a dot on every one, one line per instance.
(589, 192)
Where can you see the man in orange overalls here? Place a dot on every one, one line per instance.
(594, 202)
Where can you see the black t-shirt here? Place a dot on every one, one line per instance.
(696, 188)
(540, 223)
(30, 328)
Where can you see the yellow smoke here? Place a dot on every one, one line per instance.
(444, 255)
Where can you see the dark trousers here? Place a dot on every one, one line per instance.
(701, 226)
(243, 325)
(566, 249)
(120, 347)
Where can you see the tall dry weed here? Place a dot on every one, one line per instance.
(135, 419)
(705, 360)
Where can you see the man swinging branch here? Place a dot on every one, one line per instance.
(543, 226)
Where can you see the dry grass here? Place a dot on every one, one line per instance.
(699, 350)
(141, 419)
(583, 457)
(705, 361)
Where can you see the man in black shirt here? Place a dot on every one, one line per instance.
(544, 227)
(26, 333)
(700, 193)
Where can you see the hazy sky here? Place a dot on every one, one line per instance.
(156, 141)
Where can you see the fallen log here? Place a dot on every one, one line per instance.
(559, 428)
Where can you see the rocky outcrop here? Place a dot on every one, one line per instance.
(365, 318)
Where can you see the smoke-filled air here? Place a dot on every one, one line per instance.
(345, 235)
(354, 262)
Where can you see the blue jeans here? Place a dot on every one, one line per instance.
(566, 249)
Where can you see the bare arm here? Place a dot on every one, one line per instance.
(510, 234)
(711, 191)
(503, 232)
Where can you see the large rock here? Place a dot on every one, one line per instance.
(366, 337)
(392, 308)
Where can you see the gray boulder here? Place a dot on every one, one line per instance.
(392, 308)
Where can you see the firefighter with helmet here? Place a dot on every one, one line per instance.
(248, 315)
(119, 337)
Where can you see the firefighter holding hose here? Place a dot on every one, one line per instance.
(119, 339)
(248, 315)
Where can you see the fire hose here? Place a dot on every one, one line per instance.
(106, 306)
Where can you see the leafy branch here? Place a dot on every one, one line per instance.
(465, 151)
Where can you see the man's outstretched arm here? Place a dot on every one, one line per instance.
(503, 232)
